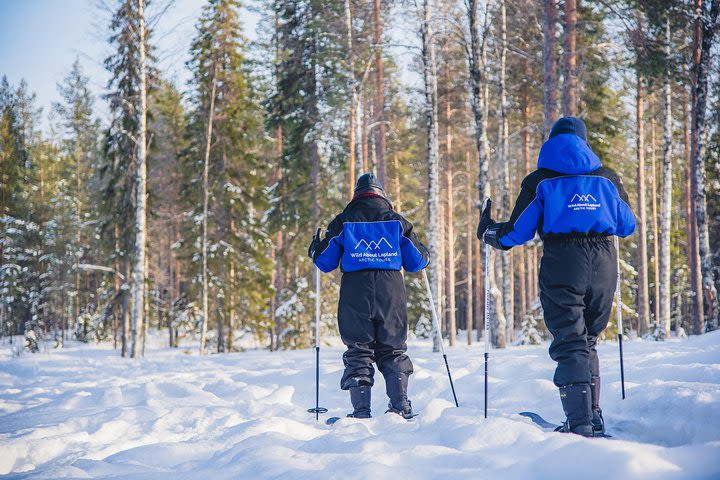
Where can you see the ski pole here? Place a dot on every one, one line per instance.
(486, 326)
(436, 324)
(318, 409)
(620, 319)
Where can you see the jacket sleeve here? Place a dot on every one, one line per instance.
(414, 254)
(523, 222)
(329, 252)
(625, 216)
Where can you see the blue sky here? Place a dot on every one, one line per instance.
(40, 39)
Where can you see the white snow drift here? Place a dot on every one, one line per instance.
(83, 412)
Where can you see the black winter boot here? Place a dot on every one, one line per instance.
(598, 423)
(576, 402)
(396, 388)
(360, 399)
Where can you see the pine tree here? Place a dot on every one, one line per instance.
(80, 132)
(226, 130)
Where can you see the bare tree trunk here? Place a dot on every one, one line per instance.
(549, 66)
(206, 196)
(276, 253)
(504, 160)
(479, 284)
(364, 134)
(478, 67)
(693, 240)
(643, 294)
(353, 98)
(469, 233)
(656, 236)
(279, 284)
(146, 321)
(397, 202)
(570, 59)
(709, 292)
(431, 116)
(525, 267)
(450, 269)
(138, 313)
(665, 260)
(116, 284)
(230, 344)
(379, 97)
(708, 20)
(449, 214)
(477, 64)
(690, 244)
(126, 332)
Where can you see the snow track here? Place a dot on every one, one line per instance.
(85, 413)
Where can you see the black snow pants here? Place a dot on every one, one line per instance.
(372, 319)
(577, 284)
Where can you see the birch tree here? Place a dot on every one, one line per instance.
(504, 163)
(474, 53)
(433, 154)
(643, 298)
(140, 274)
(708, 19)
(206, 200)
(666, 209)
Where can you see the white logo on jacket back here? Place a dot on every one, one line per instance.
(374, 251)
(580, 202)
(373, 245)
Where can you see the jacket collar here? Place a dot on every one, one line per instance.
(370, 199)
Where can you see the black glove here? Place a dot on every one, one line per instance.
(492, 237)
(314, 244)
(485, 220)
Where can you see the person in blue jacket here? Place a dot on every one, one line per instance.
(576, 205)
(371, 243)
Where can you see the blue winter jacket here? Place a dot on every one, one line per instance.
(570, 195)
(370, 235)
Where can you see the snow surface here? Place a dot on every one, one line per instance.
(83, 412)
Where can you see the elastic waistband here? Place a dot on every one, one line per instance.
(577, 239)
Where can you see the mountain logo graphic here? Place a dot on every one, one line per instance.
(373, 245)
(583, 198)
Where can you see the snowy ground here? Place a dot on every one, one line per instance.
(83, 412)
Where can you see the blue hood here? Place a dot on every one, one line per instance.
(568, 153)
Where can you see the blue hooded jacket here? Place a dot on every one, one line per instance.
(370, 235)
(570, 194)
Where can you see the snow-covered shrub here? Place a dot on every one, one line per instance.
(529, 334)
(32, 342)
(656, 332)
(681, 333)
(423, 327)
(184, 318)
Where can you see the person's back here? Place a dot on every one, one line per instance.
(570, 196)
(371, 243)
(576, 205)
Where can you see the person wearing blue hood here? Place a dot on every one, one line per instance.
(576, 205)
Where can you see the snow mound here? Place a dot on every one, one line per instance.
(83, 412)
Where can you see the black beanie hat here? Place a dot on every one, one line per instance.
(569, 125)
(368, 183)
